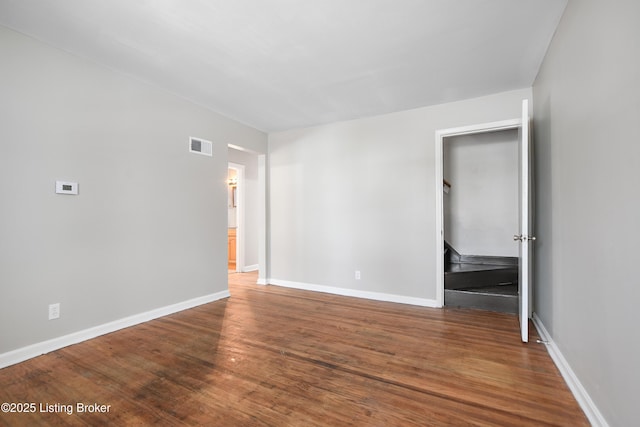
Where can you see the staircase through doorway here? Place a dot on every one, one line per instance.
(482, 282)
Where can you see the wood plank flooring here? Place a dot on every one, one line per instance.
(271, 356)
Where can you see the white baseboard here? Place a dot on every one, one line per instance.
(378, 296)
(584, 400)
(34, 350)
(248, 268)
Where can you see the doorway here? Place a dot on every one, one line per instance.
(246, 204)
(480, 215)
(235, 217)
(523, 237)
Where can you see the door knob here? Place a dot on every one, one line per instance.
(517, 237)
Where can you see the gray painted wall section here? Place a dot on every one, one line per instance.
(481, 209)
(148, 228)
(360, 195)
(586, 99)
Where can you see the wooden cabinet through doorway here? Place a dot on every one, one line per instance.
(232, 245)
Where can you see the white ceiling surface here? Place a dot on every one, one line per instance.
(282, 64)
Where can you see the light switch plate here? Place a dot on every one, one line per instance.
(64, 187)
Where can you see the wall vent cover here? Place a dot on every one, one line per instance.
(200, 146)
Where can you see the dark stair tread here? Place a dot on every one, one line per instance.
(466, 276)
(481, 301)
(506, 290)
(466, 267)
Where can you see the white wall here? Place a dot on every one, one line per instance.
(252, 203)
(360, 195)
(148, 228)
(587, 146)
(481, 209)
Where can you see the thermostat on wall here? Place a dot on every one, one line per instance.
(64, 187)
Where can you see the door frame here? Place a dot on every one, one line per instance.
(263, 214)
(440, 135)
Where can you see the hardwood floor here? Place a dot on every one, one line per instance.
(271, 356)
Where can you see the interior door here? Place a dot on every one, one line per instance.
(524, 237)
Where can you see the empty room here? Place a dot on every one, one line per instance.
(296, 213)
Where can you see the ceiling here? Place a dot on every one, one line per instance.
(282, 64)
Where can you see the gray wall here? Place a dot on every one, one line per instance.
(148, 228)
(481, 209)
(587, 106)
(360, 195)
(251, 201)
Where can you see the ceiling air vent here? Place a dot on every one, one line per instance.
(200, 146)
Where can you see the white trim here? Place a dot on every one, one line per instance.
(248, 268)
(239, 148)
(34, 350)
(584, 400)
(262, 282)
(439, 232)
(378, 296)
(263, 218)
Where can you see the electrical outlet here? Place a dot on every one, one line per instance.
(357, 274)
(54, 311)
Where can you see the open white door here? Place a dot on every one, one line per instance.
(524, 238)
